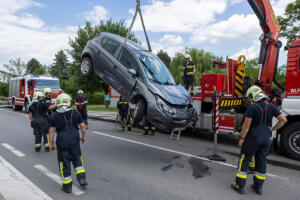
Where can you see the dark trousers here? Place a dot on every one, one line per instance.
(67, 155)
(41, 130)
(125, 119)
(256, 144)
(83, 113)
(189, 83)
(148, 126)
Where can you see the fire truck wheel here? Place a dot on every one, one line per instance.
(86, 67)
(139, 112)
(15, 107)
(291, 140)
(26, 106)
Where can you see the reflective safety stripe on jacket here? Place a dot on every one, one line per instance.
(188, 69)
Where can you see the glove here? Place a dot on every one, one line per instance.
(32, 124)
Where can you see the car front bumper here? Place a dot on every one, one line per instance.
(167, 122)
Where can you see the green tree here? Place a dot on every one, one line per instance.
(35, 67)
(251, 68)
(77, 44)
(60, 67)
(289, 22)
(164, 57)
(15, 67)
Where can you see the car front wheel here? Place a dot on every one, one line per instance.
(139, 112)
(86, 67)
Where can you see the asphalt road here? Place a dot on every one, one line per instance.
(127, 165)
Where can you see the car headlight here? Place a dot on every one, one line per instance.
(164, 107)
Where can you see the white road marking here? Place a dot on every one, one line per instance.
(14, 185)
(57, 179)
(17, 113)
(12, 149)
(180, 153)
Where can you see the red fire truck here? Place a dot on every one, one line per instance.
(22, 88)
(230, 88)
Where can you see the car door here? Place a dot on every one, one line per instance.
(127, 60)
(105, 61)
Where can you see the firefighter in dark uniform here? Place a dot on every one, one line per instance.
(255, 139)
(65, 120)
(47, 99)
(81, 103)
(38, 118)
(123, 110)
(189, 69)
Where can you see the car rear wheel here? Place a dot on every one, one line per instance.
(291, 140)
(139, 112)
(16, 107)
(86, 67)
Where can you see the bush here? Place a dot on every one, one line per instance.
(3, 89)
(96, 98)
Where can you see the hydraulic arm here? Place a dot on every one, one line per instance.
(270, 45)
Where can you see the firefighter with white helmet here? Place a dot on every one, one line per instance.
(81, 103)
(38, 120)
(66, 121)
(189, 69)
(255, 138)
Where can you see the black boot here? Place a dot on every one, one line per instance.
(37, 149)
(257, 188)
(237, 188)
(67, 188)
(146, 133)
(47, 149)
(83, 182)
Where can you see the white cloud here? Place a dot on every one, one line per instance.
(172, 44)
(171, 40)
(232, 2)
(178, 15)
(250, 52)
(25, 35)
(236, 27)
(98, 13)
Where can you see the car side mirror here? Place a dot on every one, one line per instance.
(133, 72)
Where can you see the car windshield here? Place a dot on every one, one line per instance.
(47, 83)
(155, 69)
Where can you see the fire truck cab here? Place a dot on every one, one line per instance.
(22, 88)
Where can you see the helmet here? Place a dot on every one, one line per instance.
(63, 100)
(188, 56)
(37, 96)
(80, 92)
(255, 93)
(46, 91)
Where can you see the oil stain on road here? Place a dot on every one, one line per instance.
(199, 168)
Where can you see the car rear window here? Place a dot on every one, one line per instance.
(127, 59)
(110, 45)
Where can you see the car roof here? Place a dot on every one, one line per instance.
(132, 45)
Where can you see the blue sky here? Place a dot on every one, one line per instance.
(32, 28)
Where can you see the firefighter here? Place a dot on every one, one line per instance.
(66, 120)
(47, 93)
(189, 69)
(38, 119)
(81, 102)
(255, 139)
(123, 110)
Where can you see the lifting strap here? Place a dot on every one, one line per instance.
(138, 10)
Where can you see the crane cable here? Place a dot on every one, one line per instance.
(138, 10)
